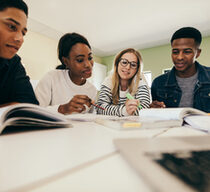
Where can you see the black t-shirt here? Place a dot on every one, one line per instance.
(14, 83)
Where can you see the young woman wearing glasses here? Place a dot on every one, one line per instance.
(126, 78)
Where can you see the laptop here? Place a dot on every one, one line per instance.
(170, 164)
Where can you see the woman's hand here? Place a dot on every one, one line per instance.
(76, 104)
(131, 106)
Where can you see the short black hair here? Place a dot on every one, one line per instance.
(19, 4)
(66, 42)
(188, 32)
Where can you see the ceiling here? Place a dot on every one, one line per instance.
(112, 25)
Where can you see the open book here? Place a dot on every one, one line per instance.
(24, 116)
(157, 118)
(136, 122)
(201, 122)
(170, 113)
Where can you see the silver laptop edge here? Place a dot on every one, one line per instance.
(136, 151)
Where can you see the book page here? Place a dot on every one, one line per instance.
(87, 117)
(30, 110)
(91, 117)
(170, 113)
(201, 122)
(30, 115)
(136, 122)
(2, 111)
(162, 113)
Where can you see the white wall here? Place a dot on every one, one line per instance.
(98, 75)
(39, 54)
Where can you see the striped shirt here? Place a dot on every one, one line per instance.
(105, 99)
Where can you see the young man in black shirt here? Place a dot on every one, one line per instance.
(15, 86)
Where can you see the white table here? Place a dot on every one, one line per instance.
(82, 158)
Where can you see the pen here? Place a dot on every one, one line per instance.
(129, 96)
(97, 105)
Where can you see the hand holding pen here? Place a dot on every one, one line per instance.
(132, 104)
(129, 96)
(75, 105)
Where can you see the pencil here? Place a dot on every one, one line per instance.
(97, 106)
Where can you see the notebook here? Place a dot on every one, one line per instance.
(170, 164)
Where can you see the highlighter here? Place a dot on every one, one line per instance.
(129, 96)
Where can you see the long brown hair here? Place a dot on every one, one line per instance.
(134, 81)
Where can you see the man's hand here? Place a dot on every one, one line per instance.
(157, 104)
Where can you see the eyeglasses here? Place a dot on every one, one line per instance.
(125, 62)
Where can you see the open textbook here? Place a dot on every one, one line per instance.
(24, 116)
(193, 117)
(151, 118)
(199, 122)
(170, 113)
